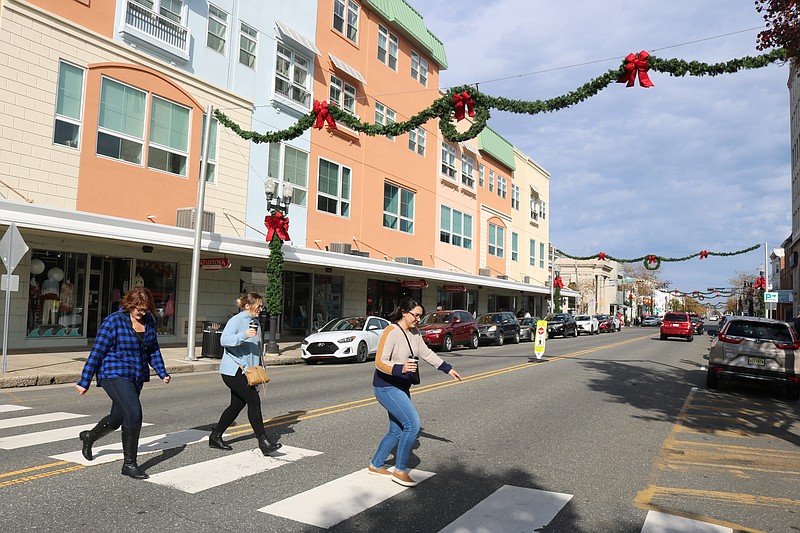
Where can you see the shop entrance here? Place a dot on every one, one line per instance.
(109, 279)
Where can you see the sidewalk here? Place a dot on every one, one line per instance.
(28, 369)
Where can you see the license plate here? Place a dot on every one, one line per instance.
(756, 361)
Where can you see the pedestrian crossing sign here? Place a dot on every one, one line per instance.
(541, 337)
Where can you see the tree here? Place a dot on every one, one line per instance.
(782, 31)
(744, 284)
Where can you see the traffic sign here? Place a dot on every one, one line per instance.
(771, 297)
(12, 248)
(541, 336)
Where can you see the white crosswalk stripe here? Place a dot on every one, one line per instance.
(338, 500)
(8, 408)
(37, 419)
(208, 474)
(511, 510)
(657, 522)
(45, 437)
(157, 443)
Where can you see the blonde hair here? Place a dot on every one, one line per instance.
(248, 298)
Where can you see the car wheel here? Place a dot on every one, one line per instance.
(576, 333)
(597, 331)
(362, 352)
(793, 392)
(447, 343)
(712, 380)
(516, 338)
(663, 337)
(690, 338)
(501, 339)
(475, 341)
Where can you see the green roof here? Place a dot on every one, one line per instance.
(400, 14)
(492, 143)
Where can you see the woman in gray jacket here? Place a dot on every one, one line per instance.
(241, 340)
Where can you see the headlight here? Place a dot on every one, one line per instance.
(345, 340)
(492, 328)
(434, 331)
(305, 341)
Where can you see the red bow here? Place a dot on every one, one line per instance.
(277, 223)
(460, 101)
(703, 254)
(601, 256)
(323, 115)
(557, 283)
(652, 259)
(636, 64)
(761, 283)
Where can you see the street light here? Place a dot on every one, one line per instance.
(274, 297)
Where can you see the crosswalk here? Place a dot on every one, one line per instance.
(509, 509)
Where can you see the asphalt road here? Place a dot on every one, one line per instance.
(619, 424)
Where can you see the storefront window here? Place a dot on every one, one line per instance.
(383, 297)
(159, 277)
(327, 299)
(296, 297)
(56, 295)
(466, 300)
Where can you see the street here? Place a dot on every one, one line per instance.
(599, 436)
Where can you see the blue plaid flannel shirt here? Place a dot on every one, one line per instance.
(117, 352)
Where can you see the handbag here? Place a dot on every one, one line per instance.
(256, 375)
(415, 376)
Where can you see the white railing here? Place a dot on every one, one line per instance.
(157, 26)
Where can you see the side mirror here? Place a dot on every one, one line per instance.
(371, 327)
(457, 321)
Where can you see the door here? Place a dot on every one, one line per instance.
(109, 279)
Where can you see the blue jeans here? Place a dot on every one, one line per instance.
(403, 426)
(126, 409)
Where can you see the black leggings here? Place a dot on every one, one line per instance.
(241, 394)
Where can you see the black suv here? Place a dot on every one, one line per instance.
(498, 327)
(561, 324)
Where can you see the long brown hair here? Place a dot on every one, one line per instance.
(138, 297)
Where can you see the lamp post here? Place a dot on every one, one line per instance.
(277, 224)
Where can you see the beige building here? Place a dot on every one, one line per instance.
(597, 283)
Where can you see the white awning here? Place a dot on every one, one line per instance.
(347, 69)
(466, 145)
(297, 37)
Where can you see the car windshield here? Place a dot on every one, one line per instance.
(561, 317)
(527, 321)
(345, 324)
(582, 318)
(675, 317)
(601, 317)
(436, 318)
(488, 319)
(759, 330)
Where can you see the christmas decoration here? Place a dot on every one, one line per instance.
(277, 225)
(460, 101)
(651, 259)
(323, 115)
(558, 283)
(652, 262)
(636, 65)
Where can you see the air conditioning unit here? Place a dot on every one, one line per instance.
(526, 279)
(502, 276)
(341, 247)
(484, 272)
(185, 219)
(408, 260)
(359, 253)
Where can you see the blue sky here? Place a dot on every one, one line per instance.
(690, 164)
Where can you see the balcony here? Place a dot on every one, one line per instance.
(160, 34)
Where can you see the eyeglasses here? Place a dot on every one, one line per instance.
(416, 316)
(142, 310)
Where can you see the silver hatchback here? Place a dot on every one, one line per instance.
(759, 349)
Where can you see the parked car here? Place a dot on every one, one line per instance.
(562, 324)
(677, 324)
(355, 338)
(587, 324)
(651, 320)
(697, 323)
(756, 349)
(445, 329)
(527, 328)
(498, 328)
(605, 323)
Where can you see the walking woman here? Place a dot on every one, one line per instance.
(241, 340)
(399, 348)
(125, 345)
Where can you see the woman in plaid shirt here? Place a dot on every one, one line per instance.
(125, 345)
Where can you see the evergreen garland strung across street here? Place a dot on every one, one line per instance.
(479, 103)
(651, 259)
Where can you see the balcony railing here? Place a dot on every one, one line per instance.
(161, 30)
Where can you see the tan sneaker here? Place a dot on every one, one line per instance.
(379, 471)
(402, 478)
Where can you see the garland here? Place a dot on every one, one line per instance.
(651, 259)
(452, 103)
(274, 296)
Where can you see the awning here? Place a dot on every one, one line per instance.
(347, 69)
(297, 37)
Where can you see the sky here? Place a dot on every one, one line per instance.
(691, 164)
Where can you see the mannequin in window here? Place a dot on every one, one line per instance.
(169, 311)
(67, 297)
(139, 281)
(50, 290)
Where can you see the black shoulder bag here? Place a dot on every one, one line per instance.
(415, 377)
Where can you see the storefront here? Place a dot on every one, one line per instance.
(383, 296)
(452, 296)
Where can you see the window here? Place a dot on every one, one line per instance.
(217, 29)
(541, 255)
(333, 186)
(292, 78)
(416, 141)
(120, 125)
(534, 206)
(543, 209)
(290, 165)
(419, 68)
(213, 137)
(169, 9)
(455, 228)
(502, 185)
(532, 259)
(398, 205)
(69, 105)
(448, 160)
(168, 149)
(387, 47)
(346, 23)
(343, 94)
(385, 116)
(496, 240)
(515, 197)
(514, 246)
(467, 167)
(481, 173)
(248, 43)
(491, 181)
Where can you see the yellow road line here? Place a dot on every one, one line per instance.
(725, 497)
(33, 469)
(735, 527)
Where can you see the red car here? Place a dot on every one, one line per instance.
(677, 324)
(605, 323)
(445, 329)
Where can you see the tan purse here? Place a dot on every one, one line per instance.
(256, 375)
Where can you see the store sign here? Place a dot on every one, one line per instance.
(414, 284)
(217, 263)
(454, 288)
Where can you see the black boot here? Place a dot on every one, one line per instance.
(215, 441)
(88, 438)
(130, 448)
(266, 445)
